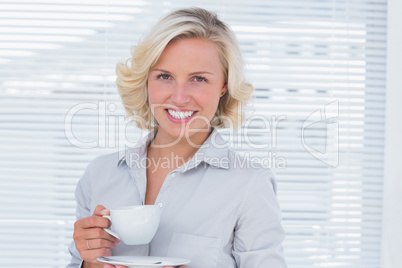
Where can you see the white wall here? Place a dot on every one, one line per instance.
(392, 217)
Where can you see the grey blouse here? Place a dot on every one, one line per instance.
(218, 209)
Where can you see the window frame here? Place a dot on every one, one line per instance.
(392, 218)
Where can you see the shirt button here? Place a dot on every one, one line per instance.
(173, 175)
(160, 205)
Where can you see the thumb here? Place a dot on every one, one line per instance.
(101, 211)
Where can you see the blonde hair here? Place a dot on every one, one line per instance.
(181, 24)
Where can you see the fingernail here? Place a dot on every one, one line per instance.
(105, 211)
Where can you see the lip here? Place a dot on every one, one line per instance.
(180, 121)
(180, 110)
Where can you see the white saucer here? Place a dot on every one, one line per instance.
(143, 261)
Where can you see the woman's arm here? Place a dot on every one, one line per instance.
(90, 240)
(259, 234)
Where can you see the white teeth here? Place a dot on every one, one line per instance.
(180, 115)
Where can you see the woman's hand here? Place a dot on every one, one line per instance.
(90, 239)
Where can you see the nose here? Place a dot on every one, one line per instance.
(180, 95)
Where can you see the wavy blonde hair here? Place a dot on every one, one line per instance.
(132, 75)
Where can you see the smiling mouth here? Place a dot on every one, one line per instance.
(180, 115)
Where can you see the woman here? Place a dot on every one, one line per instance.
(184, 81)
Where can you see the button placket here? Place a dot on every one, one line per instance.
(140, 182)
(160, 199)
(164, 191)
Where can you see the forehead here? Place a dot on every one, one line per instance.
(190, 54)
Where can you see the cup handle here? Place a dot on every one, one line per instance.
(108, 230)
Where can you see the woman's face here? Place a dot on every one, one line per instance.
(185, 86)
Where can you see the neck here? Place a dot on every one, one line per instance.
(183, 148)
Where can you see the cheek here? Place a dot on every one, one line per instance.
(153, 93)
(157, 90)
(152, 97)
(210, 102)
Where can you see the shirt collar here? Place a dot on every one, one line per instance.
(214, 151)
(138, 151)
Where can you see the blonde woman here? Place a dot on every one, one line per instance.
(185, 79)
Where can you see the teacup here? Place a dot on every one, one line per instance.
(134, 225)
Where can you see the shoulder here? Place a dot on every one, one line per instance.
(105, 163)
(122, 157)
(95, 171)
(245, 162)
(250, 172)
(101, 171)
(108, 159)
(241, 169)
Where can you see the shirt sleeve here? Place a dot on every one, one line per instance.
(259, 234)
(83, 210)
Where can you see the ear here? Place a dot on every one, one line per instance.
(224, 89)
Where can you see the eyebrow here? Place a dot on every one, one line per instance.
(160, 70)
(194, 73)
(203, 72)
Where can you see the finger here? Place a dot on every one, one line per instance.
(92, 239)
(94, 221)
(91, 245)
(94, 254)
(100, 211)
(100, 243)
(99, 233)
(121, 266)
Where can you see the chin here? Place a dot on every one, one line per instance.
(182, 131)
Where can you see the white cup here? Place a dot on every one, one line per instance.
(134, 225)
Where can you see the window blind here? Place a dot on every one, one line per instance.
(316, 118)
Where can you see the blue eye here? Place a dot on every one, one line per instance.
(163, 76)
